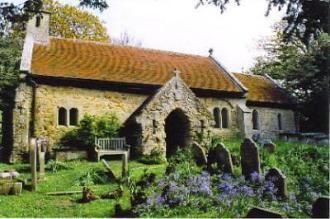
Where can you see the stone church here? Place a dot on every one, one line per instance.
(163, 99)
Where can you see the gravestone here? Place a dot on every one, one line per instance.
(250, 161)
(33, 162)
(220, 155)
(199, 154)
(42, 147)
(270, 147)
(11, 188)
(279, 180)
(262, 213)
(320, 208)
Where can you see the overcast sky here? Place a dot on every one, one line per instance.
(176, 25)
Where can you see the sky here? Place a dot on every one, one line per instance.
(176, 25)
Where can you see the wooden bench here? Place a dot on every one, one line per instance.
(111, 146)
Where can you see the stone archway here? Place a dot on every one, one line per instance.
(177, 130)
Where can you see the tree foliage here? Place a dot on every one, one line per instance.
(12, 14)
(69, 22)
(305, 19)
(304, 72)
(10, 53)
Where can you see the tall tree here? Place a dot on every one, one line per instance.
(305, 19)
(69, 22)
(11, 14)
(304, 71)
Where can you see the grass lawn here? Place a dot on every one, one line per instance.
(305, 166)
(38, 204)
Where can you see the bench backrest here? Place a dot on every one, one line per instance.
(110, 143)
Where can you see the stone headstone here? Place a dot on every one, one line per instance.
(320, 208)
(221, 156)
(279, 180)
(250, 160)
(198, 154)
(270, 147)
(262, 213)
(11, 188)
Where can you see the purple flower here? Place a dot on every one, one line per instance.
(255, 177)
(160, 200)
(246, 190)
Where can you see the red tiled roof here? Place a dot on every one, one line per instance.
(106, 62)
(262, 89)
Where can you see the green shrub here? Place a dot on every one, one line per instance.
(90, 127)
(55, 165)
(156, 156)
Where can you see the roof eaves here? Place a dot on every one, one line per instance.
(230, 75)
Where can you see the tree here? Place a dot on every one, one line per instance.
(303, 71)
(305, 19)
(69, 22)
(126, 40)
(11, 14)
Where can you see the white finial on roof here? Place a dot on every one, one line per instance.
(176, 72)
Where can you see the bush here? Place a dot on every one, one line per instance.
(90, 127)
(156, 156)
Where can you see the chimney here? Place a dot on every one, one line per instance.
(37, 31)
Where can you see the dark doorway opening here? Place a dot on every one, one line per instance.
(177, 129)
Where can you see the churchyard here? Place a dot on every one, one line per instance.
(284, 179)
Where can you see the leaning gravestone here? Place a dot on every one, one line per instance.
(279, 180)
(320, 208)
(250, 161)
(198, 154)
(221, 156)
(262, 213)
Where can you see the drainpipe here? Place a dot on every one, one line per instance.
(34, 86)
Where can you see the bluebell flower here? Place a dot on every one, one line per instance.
(255, 177)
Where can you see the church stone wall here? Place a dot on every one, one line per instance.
(234, 120)
(94, 102)
(21, 120)
(268, 121)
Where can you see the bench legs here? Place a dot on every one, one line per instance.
(125, 164)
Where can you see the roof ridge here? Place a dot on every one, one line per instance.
(128, 46)
(248, 74)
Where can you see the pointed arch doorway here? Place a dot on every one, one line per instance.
(177, 129)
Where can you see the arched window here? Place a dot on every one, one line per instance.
(154, 126)
(255, 119)
(279, 121)
(38, 21)
(225, 118)
(62, 116)
(216, 115)
(73, 116)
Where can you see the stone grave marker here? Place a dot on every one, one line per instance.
(320, 208)
(250, 161)
(221, 156)
(33, 162)
(199, 154)
(42, 147)
(279, 179)
(262, 213)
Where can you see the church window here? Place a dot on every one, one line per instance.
(216, 115)
(62, 116)
(255, 120)
(279, 121)
(73, 116)
(225, 118)
(38, 21)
